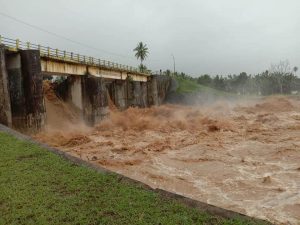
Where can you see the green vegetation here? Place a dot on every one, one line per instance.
(39, 187)
(141, 53)
(279, 79)
(188, 85)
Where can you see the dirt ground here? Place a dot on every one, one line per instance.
(243, 156)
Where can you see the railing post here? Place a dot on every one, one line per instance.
(56, 52)
(72, 55)
(77, 57)
(64, 54)
(48, 51)
(39, 48)
(84, 58)
(99, 62)
(0, 39)
(17, 44)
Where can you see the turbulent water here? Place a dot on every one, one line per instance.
(242, 156)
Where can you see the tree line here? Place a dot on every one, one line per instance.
(279, 79)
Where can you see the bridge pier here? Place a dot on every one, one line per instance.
(75, 91)
(137, 94)
(88, 95)
(5, 108)
(118, 93)
(95, 99)
(152, 91)
(158, 87)
(26, 90)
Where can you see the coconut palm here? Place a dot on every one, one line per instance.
(141, 52)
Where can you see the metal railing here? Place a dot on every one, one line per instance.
(16, 44)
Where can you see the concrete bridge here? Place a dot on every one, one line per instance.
(90, 83)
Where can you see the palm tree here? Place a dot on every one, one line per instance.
(141, 52)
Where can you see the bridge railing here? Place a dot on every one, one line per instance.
(16, 44)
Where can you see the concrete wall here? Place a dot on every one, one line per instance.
(5, 108)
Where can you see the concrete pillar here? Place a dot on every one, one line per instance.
(120, 94)
(153, 91)
(5, 108)
(33, 89)
(95, 99)
(144, 94)
(138, 93)
(16, 89)
(136, 101)
(75, 92)
(26, 90)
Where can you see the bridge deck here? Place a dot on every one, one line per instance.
(58, 62)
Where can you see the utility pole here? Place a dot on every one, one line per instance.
(174, 69)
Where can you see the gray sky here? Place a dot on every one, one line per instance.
(206, 36)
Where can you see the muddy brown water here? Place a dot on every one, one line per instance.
(242, 156)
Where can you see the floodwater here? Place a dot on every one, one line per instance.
(242, 156)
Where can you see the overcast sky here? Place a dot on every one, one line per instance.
(205, 36)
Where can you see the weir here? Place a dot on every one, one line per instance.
(89, 87)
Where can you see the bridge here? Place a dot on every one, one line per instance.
(60, 62)
(88, 86)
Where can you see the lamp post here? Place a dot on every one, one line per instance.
(173, 64)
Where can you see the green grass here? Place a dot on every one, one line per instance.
(39, 187)
(189, 86)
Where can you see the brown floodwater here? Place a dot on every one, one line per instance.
(243, 156)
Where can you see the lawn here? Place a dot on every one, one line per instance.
(40, 187)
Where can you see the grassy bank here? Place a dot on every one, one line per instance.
(39, 187)
(189, 86)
